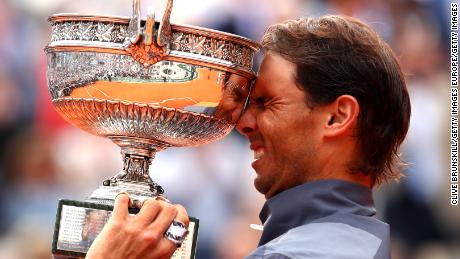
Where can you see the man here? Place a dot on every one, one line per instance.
(327, 114)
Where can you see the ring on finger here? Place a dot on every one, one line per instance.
(177, 232)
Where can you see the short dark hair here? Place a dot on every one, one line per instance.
(338, 55)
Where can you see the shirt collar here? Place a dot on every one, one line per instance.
(307, 202)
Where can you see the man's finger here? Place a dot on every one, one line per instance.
(120, 208)
(168, 247)
(149, 211)
(178, 229)
(182, 215)
(164, 218)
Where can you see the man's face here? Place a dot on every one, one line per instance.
(283, 131)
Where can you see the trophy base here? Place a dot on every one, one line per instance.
(78, 223)
(107, 193)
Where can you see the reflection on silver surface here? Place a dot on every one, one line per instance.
(175, 127)
(79, 227)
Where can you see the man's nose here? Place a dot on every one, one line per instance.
(247, 122)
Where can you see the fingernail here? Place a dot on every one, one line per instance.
(139, 202)
(162, 198)
(121, 193)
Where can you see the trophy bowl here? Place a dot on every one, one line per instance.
(146, 85)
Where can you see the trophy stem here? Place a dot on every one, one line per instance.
(137, 154)
(135, 168)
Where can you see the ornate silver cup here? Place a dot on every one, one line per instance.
(147, 86)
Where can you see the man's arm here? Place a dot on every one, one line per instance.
(137, 236)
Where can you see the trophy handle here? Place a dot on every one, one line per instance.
(148, 51)
(134, 28)
(164, 33)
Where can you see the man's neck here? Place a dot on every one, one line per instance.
(308, 202)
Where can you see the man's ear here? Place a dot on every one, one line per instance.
(342, 116)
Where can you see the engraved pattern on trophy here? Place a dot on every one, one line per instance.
(211, 47)
(146, 54)
(135, 168)
(148, 51)
(89, 31)
(117, 33)
(169, 125)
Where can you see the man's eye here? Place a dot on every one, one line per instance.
(259, 101)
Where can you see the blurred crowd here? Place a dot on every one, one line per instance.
(42, 158)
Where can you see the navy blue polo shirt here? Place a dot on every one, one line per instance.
(330, 219)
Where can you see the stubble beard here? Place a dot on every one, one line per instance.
(298, 171)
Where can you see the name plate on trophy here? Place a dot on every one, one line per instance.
(78, 224)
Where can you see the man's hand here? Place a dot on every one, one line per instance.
(137, 236)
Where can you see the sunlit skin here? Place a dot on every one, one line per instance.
(292, 142)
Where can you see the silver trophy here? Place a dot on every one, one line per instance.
(145, 85)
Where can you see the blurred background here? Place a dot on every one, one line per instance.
(42, 158)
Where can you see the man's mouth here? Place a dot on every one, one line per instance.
(258, 153)
(258, 148)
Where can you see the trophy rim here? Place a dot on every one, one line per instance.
(181, 53)
(69, 17)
